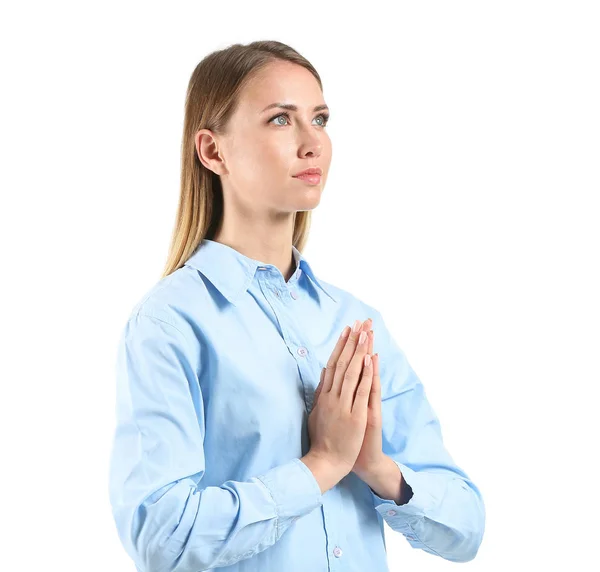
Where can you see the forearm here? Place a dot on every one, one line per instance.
(446, 515)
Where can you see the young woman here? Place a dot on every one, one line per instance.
(256, 430)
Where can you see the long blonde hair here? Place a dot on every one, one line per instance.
(212, 97)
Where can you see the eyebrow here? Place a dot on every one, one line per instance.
(292, 107)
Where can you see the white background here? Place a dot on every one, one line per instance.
(462, 202)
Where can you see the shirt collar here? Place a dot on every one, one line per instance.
(232, 272)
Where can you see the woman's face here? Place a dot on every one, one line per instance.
(263, 149)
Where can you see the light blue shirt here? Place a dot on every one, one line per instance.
(216, 371)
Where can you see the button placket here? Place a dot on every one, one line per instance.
(278, 295)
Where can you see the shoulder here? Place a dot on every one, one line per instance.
(168, 300)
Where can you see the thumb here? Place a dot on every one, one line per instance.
(319, 387)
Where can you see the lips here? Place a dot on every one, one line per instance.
(310, 179)
(310, 171)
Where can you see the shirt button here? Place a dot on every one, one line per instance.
(337, 551)
(391, 512)
(276, 293)
(410, 537)
(294, 295)
(302, 351)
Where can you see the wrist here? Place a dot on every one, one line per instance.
(326, 472)
(386, 480)
(375, 469)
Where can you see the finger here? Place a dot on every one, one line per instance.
(352, 377)
(366, 327)
(364, 388)
(370, 352)
(337, 369)
(375, 401)
(319, 387)
(376, 365)
(370, 342)
(333, 358)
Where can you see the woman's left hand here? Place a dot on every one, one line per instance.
(371, 453)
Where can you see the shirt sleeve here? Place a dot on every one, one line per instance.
(445, 512)
(167, 519)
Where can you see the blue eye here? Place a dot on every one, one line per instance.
(325, 117)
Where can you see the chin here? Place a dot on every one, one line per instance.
(308, 202)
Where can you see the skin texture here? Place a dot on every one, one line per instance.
(371, 457)
(257, 158)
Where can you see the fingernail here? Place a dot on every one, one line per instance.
(356, 326)
(367, 360)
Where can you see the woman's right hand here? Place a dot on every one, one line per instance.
(337, 422)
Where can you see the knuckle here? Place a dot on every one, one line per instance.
(342, 364)
(362, 390)
(350, 374)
